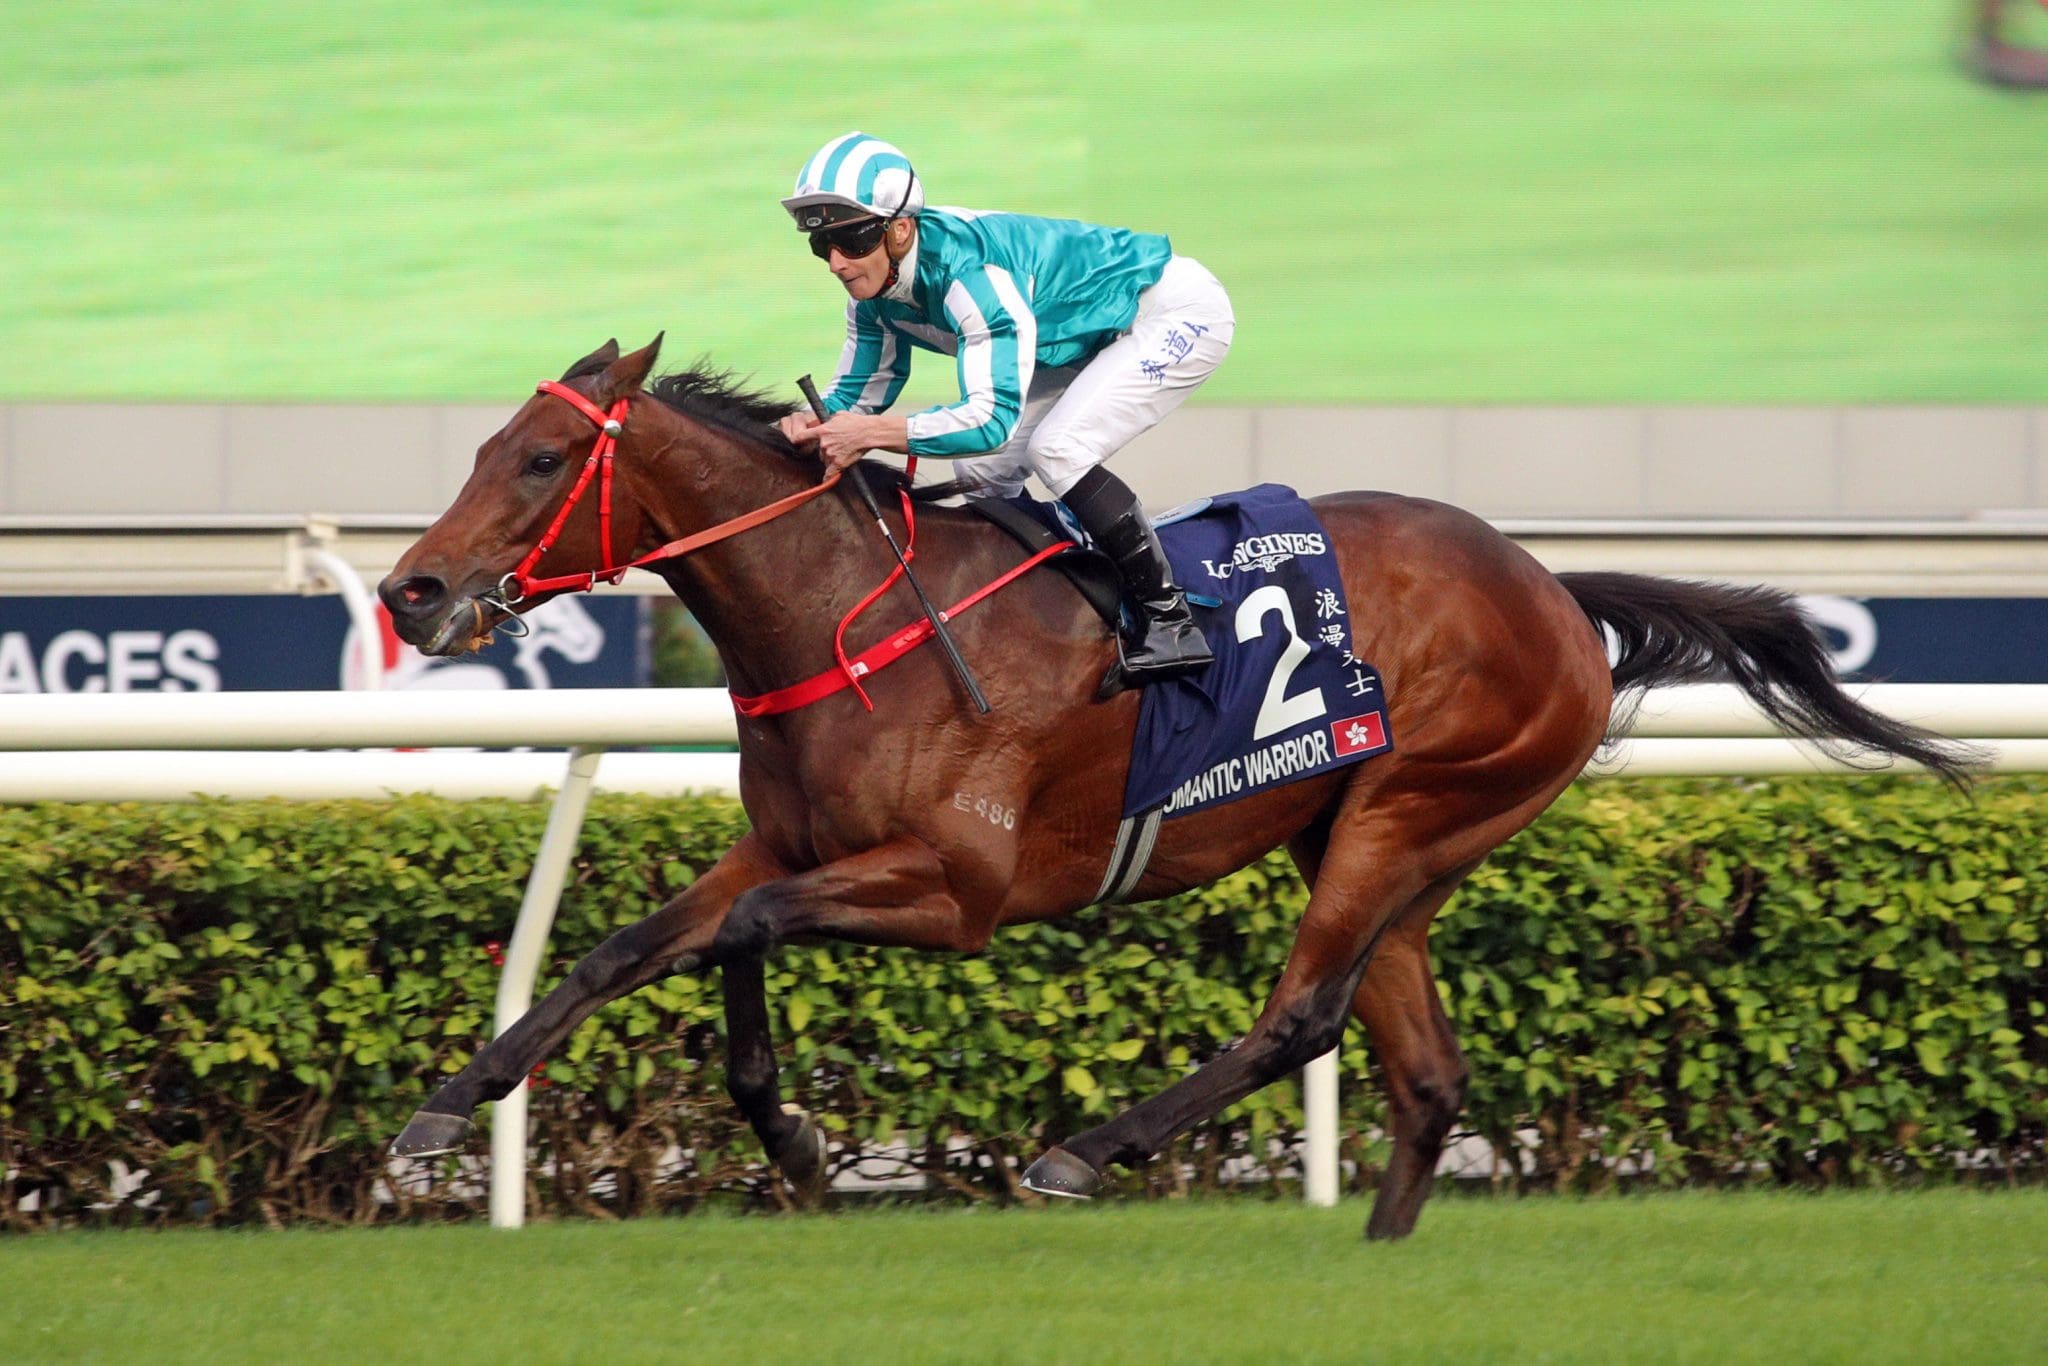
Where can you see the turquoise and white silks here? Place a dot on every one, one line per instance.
(1070, 340)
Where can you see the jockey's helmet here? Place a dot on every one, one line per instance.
(850, 178)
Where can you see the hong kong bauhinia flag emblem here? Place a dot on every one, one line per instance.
(1359, 733)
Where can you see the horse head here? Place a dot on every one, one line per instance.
(450, 590)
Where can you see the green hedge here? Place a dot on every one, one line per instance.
(1810, 980)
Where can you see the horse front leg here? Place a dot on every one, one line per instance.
(895, 895)
(676, 938)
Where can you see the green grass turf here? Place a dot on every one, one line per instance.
(1944, 1276)
(1592, 200)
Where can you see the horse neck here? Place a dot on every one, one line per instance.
(768, 597)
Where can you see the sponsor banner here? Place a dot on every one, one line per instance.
(1935, 640)
(242, 643)
(247, 643)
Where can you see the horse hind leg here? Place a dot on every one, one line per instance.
(1419, 1060)
(1363, 882)
(1369, 875)
(1412, 1041)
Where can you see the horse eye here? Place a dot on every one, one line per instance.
(547, 462)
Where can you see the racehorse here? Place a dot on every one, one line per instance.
(872, 825)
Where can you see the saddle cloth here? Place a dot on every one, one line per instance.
(1285, 699)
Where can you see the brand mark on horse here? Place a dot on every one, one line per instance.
(995, 813)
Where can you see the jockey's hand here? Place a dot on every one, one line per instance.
(800, 427)
(846, 437)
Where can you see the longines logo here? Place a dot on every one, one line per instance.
(1266, 553)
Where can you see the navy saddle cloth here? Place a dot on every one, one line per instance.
(1285, 699)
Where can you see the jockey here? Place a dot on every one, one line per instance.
(1071, 339)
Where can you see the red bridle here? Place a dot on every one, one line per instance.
(520, 584)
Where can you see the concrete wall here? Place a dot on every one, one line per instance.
(1619, 462)
(94, 459)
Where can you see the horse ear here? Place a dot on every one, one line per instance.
(627, 373)
(594, 362)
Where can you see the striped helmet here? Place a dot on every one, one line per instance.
(853, 176)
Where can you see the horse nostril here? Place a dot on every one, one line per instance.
(414, 593)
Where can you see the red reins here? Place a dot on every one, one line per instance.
(520, 584)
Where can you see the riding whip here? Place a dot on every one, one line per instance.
(932, 614)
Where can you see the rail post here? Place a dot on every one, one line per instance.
(522, 967)
(1319, 1106)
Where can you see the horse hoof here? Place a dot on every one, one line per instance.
(1061, 1173)
(430, 1135)
(803, 1157)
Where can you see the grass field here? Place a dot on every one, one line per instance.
(1945, 1276)
(1599, 200)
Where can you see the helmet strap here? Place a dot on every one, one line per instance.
(901, 205)
(895, 261)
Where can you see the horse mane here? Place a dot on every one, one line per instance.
(721, 399)
(718, 398)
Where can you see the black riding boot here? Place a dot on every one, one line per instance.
(1166, 642)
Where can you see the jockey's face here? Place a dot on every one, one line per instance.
(866, 276)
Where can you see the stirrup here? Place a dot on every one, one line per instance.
(1123, 675)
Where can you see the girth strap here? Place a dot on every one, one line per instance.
(1127, 860)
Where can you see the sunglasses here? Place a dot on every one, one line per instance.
(852, 240)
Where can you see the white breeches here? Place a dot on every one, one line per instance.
(1076, 417)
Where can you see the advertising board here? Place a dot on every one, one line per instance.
(239, 644)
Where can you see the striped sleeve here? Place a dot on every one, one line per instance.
(998, 347)
(872, 366)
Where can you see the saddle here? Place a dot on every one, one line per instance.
(1036, 526)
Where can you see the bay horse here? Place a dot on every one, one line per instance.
(871, 826)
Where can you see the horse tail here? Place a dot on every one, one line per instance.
(1674, 631)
